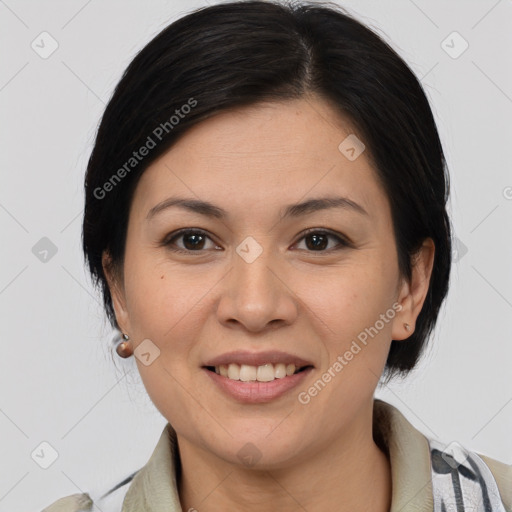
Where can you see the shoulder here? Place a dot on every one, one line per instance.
(502, 473)
(458, 471)
(73, 503)
(110, 501)
(452, 470)
(113, 499)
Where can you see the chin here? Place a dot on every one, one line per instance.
(258, 450)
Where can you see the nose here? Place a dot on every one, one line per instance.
(256, 294)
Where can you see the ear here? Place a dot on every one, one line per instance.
(412, 294)
(116, 288)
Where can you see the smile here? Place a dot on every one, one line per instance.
(255, 391)
(264, 373)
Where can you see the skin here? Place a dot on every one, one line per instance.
(310, 302)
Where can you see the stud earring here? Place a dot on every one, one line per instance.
(123, 348)
(407, 327)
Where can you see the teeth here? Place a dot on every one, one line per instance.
(247, 372)
(280, 370)
(234, 372)
(264, 373)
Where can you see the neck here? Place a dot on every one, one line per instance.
(350, 474)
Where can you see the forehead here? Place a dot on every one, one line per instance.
(304, 127)
(265, 154)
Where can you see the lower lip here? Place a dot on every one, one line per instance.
(255, 392)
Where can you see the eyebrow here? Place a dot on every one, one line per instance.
(293, 210)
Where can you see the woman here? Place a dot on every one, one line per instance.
(266, 217)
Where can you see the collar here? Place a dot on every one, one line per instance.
(154, 487)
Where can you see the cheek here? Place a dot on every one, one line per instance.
(156, 298)
(349, 299)
(163, 307)
(348, 304)
(170, 306)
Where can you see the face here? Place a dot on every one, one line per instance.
(256, 284)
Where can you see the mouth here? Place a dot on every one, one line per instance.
(263, 373)
(255, 378)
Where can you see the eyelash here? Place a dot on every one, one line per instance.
(343, 242)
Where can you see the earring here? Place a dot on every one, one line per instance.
(407, 327)
(123, 348)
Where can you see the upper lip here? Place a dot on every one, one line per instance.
(257, 358)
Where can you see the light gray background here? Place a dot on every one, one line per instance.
(57, 379)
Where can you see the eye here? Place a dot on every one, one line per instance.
(196, 240)
(193, 240)
(318, 241)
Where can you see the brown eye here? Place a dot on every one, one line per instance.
(318, 241)
(193, 241)
(189, 241)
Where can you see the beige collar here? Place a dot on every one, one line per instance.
(409, 453)
(154, 487)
